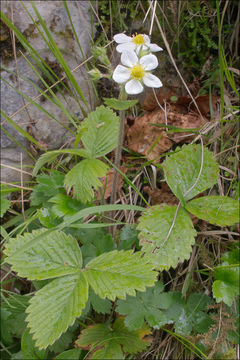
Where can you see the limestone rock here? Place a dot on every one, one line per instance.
(55, 130)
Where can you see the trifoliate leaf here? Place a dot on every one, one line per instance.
(154, 226)
(29, 350)
(102, 134)
(227, 278)
(145, 306)
(183, 168)
(107, 337)
(50, 156)
(65, 205)
(219, 210)
(117, 104)
(51, 255)
(83, 177)
(55, 307)
(95, 242)
(189, 315)
(4, 206)
(118, 273)
(48, 186)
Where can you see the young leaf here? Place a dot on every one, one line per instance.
(48, 186)
(154, 226)
(219, 210)
(227, 278)
(55, 307)
(53, 255)
(118, 273)
(117, 104)
(102, 134)
(83, 177)
(145, 306)
(114, 340)
(65, 205)
(182, 170)
(50, 156)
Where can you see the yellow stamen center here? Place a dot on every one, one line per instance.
(137, 72)
(138, 39)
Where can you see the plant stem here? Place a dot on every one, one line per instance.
(118, 152)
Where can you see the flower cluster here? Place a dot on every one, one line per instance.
(137, 61)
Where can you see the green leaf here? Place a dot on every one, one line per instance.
(72, 354)
(4, 206)
(83, 177)
(128, 237)
(55, 307)
(145, 306)
(53, 255)
(191, 314)
(154, 226)
(111, 351)
(102, 134)
(51, 156)
(29, 350)
(117, 104)
(65, 340)
(65, 205)
(101, 306)
(13, 316)
(48, 186)
(219, 210)
(95, 242)
(183, 168)
(118, 273)
(48, 218)
(227, 278)
(107, 337)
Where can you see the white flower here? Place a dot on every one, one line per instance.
(136, 71)
(136, 42)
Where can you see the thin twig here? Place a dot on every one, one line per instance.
(13, 168)
(21, 179)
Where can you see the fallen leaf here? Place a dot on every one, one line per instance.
(107, 184)
(151, 141)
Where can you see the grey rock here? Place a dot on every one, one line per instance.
(55, 130)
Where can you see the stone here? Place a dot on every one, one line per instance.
(50, 131)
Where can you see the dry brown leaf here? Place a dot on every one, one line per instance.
(152, 141)
(183, 104)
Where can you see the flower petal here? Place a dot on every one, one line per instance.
(121, 74)
(128, 46)
(146, 39)
(149, 62)
(151, 80)
(133, 87)
(154, 47)
(122, 38)
(129, 58)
